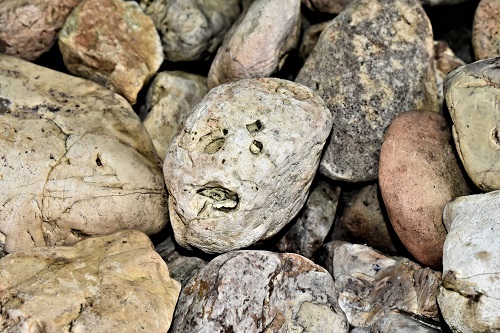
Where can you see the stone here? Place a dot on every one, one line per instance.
(259, 291)
(113, 43)
(327, 6)
(242, 165)
(360, 330)
(476, 134)
(418, 176)
(445, 61)
(486, 30)
(401, 323)
(257, 45)
(29, 28)
(469, 298)
(75, 161)
(114, 283)
(310, 38)
(171, 96)
(372, 62)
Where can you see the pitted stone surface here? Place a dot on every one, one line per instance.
(486, 30)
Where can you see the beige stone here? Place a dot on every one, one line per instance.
(445, 61)
(310, 38)
(327, 6)
(486, 30)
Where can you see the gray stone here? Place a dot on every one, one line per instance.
(401, 323)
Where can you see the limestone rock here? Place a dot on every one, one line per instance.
(75, 160)
(400, 323)
(114, 283)
(111, 42)
(445, 61)
(473, 96)
(486, 30)
(257, 45)
(372, 62)
(259, 291)
(310, 38)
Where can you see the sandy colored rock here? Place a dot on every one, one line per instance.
(401, 323)
(371, 63)
(75, 160)
(310, 38)
(257, 45)
(114, 283)
(486, 30)
(113, 43)
(259, 291)
(445, 61)
(327, 6)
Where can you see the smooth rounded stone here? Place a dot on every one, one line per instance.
(310, 38)
(360, 330)
(470, 296)
(473, 97)
(371, 63)
(191, 29)
(171, 96)
(257, 45)
(29, 28)
(418, 176)
(241, 167)
(75, 160)
(445, 61)
(486, 30)
(114, 283)
(400, 323)
(111, 42)
(259, 291)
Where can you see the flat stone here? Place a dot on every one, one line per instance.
(401, 323)
(486, 30)
(371, 63)
(114, 283)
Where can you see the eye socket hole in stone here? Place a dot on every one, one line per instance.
(214, 146)
(256, 147)
(496, 135)
(224, 199)
(98, 160)
(257, 126)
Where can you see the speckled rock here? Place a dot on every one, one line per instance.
(418, 175)
(111, 42)
(310, 38)
(171, 96)
(259, 291)
(114, 283)
(257, 45)
(445, 61)
(470, 296)
(372, 62)
(476, 134)
(241, 168)
(486, 30)
(75, 160)
(401, 323)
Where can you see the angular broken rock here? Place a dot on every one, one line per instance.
(259, 291)
(241, 166)
(114, 283)
(486, 30)
(75, 160)
(402, 323)
(372, 62)
(113, 43)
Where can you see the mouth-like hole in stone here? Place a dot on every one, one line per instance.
(214, 146)
(257, 126)
(223, 199)
(496, 135)
(256, 147)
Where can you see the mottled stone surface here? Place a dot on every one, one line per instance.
(372, 62)
(401, 323)
(486, 30)
(75, 160)
(111, 42)
(114, 283)
(259, 291)
(310, 38)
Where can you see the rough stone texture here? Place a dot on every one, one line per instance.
(191, 29)
(310, 38)
(418, 175)
(171, 96)
(400, 323)
(75, 160)
(486, 30)
(241, 168)
(114, 283)
(29, 28)
(445, 61)
(360, 330)
(372, 62)
(470, 296)
(259, 291)
(258, 44)
(473, 97)
(111, 42)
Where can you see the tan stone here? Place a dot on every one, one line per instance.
(445, 61)
(486, 30)
(327, 6)
(310, 38)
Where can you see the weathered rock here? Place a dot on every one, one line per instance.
(470, 296)
(75, 160)
(111, 42)
(310, 38)
(171, 96)
(360, 330)
(29, 28)
(114, 283)
(241, 168)
(372, 62)
(259, 291)
(257, 45)
(418, 176)
(486, 30)
(473, 96)
(400, 323)
(445, 61)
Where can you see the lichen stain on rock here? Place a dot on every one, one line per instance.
(224, 199)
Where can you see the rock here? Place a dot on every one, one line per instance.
(171, 96)
(111, 42)
(258, 44)
(75, 161)
(310, 38)
(470, 296)
(241, 168)
(259, 291)
(418, 175)
(191, 29)
(114, 283)
(486, 30)
(401, 323)
(372, 62)
(445, 61)
(360, 330)
(29, 28)
(476, 134)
